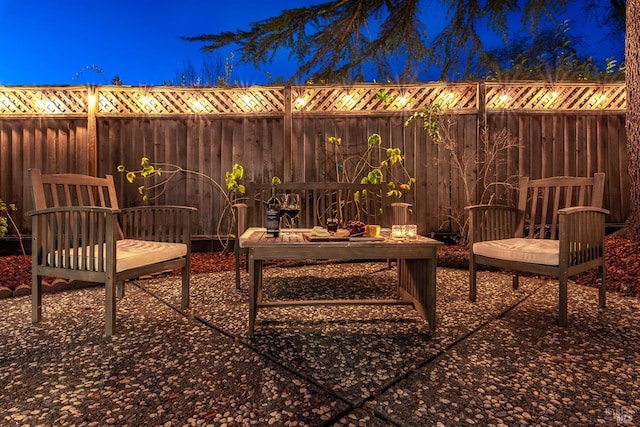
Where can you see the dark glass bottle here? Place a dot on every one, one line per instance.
(273, 214)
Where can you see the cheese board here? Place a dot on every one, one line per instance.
(309, 237)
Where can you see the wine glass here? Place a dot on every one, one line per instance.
(283, 203)
(293, 207)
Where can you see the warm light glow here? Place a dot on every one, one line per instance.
(4, 102)
(349, 100)
(92, 99)
(301, 102)
(403, 100)
(47, 106)
(549, 98)
(411, 231)
(248, 100)
(397, 232)
(197, 106)
(147, 102)
(597, 99)
(447, 98)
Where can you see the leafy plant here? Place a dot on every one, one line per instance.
(366, 170)
(6, 218)
(476, 173)
(165, 172)
(430, 117)
(376, 165)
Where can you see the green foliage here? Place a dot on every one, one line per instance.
(551, 55)
(367, 170)
(385, 96)
(232, 179)
(337, 41)
(6, 218)
(430, 117)
(165, 172)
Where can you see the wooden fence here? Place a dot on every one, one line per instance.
(565, 129)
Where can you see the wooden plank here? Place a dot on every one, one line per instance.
(524, 152)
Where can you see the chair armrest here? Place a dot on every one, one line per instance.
(491, 222)
(581, 234)
(157, 223)
(576, 209)
(68, 209)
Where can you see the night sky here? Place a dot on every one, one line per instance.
(80, 42)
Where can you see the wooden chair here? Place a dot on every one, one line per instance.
(79, 233)
(557, 230)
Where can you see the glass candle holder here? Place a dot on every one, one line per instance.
(397, 232)
(411, 232)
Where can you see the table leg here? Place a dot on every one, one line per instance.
(253, 284)
(431, 293)
(417, 283)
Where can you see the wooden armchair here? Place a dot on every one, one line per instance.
(557, 230)
(79, 233)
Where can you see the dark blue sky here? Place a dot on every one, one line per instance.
(65, 41)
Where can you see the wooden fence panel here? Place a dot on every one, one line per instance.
(210, 146)
(53, 145)
(575, 145)
(572, 129)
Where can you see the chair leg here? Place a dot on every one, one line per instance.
(237, 256)
(562, 301)
(120, 289)
(515, 281)
(36, 298)
(472, 279)
(186, 278)
(110, 307)
(602, 295)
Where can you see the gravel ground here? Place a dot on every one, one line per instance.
(500, 361)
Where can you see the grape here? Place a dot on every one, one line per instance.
(355, 227)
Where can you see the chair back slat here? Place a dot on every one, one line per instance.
(541, 199)
(63, 190)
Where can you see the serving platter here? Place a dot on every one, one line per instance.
(353, 238)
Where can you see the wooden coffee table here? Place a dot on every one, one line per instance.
(417, 261)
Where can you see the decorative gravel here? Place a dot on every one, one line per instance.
(500, 361)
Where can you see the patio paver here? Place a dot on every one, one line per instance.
(499, 361)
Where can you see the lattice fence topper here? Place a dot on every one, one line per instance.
(560, 96)
(356, 99)
(55, 101)
(177, 100)
(370, 98)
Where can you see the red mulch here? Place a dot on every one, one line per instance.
(623, 266)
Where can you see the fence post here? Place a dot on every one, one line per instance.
(289, 173)
(481, 128)
(92, 130)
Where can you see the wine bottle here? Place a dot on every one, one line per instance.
(273, 214)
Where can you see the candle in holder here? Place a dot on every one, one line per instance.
(397, 232)
(411, 232)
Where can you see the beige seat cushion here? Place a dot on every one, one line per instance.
(136, 253)
(533, 251)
